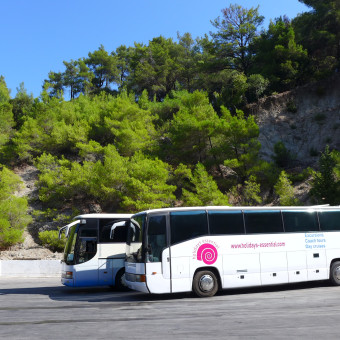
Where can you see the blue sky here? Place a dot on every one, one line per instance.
(38, 35)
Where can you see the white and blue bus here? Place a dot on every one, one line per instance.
(95, 250)
(205, 249)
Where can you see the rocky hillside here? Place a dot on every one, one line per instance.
(305, 120)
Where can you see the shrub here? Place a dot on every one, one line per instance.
(13, 210)
(326, 182)
(282, 155)
(8, 235)
(284, 189)
(202, 189)
(247, 194)
(291, 107)
(49, 239)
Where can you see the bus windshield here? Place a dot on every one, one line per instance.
(70, 245)
(134, 239)
(81, 244)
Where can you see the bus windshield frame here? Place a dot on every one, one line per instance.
(80, 248)
(134, 244)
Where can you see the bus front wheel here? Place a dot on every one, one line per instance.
(120, 280)
(205, 284)
(334, 275)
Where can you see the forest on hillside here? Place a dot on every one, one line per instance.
(163, 124)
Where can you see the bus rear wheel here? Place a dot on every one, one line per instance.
(334, 275)
(205, 283)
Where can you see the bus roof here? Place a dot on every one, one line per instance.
(100, 216)
(234, 208)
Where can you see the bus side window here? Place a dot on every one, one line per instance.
(329, 220)
(300, 221)
(118, 232)
(105, 231)
(269, 221)
(186, 225)
(226, 222)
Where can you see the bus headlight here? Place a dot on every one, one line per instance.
(140, 278)
(135, 277)
(67, 275)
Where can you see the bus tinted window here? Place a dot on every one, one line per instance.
(297, 221)
(263, 222)
(105, 227)
(156, 238)
(225, 222)
(329, 220)
(90, 229)
(186, 225)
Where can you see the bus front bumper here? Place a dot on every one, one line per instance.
(136, 282)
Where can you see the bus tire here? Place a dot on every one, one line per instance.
(120, 280)
(334, 274)
(205, 283)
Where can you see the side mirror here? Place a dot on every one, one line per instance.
(115, 226)
(67, 228)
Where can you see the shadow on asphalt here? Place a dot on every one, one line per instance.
(102, 294)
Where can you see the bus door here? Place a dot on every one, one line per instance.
(86, 268)
(157, 255)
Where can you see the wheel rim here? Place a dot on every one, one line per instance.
(336, 273)
(206, 283)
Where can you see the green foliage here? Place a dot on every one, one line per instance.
(22, 105)
(291, 106)
(117, 182)
(104, 68)
(301, 176)
(201, 188)
(247, 194)
(50, 239)
(326, 181)
(192, 128)
(131, 126)
(251, 192)
(106, 179)
(4, 91)
(235, 32)
(13, 210)
(146, 186)
(282, 155)
(6, 123)
(237, 143)
(63, 127)
(229, 88)
(319, 31)
(257, 85)
(285, 190)
(278, 57)
(9, 183)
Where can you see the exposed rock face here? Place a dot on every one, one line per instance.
(305, 120)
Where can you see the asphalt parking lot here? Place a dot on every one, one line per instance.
(41, 308)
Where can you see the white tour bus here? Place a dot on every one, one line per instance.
(95, 250)
(204, 249)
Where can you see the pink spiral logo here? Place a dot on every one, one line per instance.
(207, 253)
